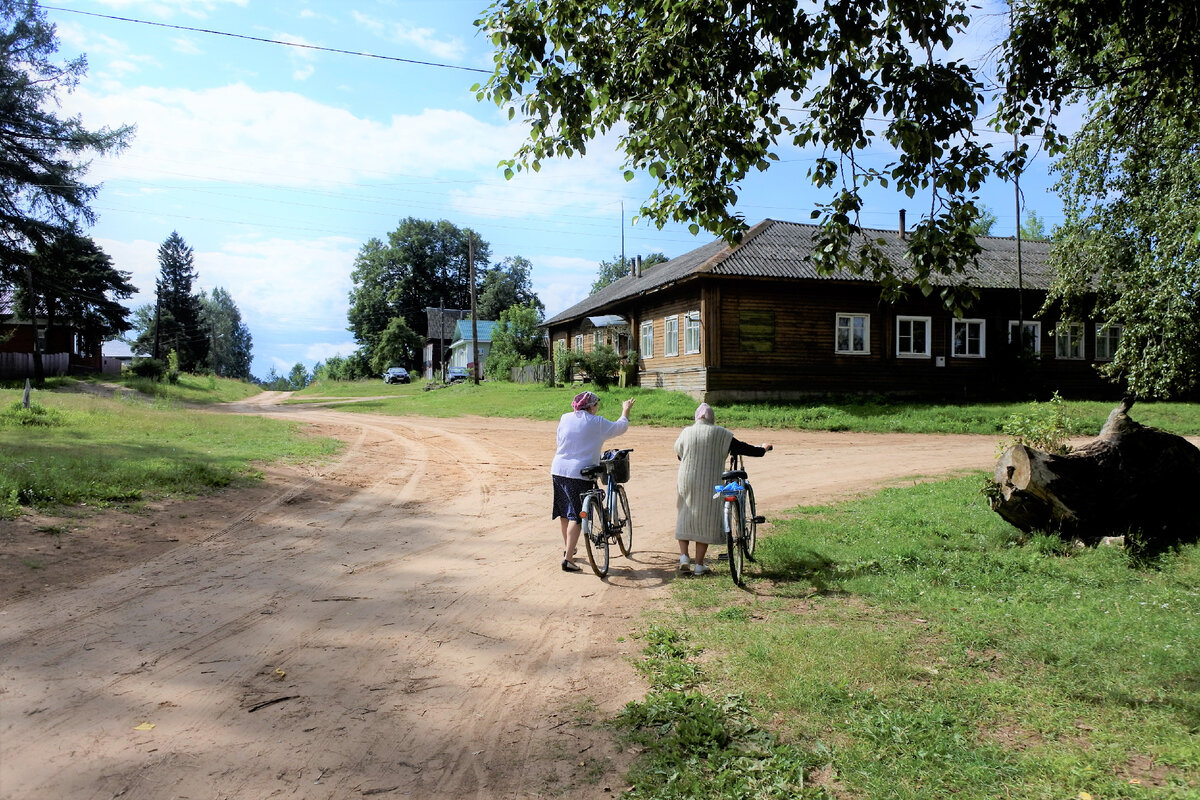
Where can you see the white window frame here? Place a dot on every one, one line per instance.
(838, 327)
(959, 324)
(578, 343)
(927, 322)
(691, 332)
(1031, 325)
(671, 336)
(597, 338)
(1068, 341)
(647, 336)
(1110, 337)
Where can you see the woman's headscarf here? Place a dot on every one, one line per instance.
(704, 412)
(584, 400)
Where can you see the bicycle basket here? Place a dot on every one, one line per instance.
(617, 464)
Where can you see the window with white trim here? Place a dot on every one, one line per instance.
(691, 332)
(671, 336)
(852, 334)
(912, 337)
(597, 339)
(1031, 335)
(579, 343)
(647, 339)
(1107, 339)
(1068, 340)
(969, 338)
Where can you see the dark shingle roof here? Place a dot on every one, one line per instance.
(780, 250)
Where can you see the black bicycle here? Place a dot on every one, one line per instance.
(740, 518)
(605, 515)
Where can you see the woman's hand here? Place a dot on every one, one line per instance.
(628, 404)
(767, 446)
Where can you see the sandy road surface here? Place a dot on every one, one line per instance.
(393, 625)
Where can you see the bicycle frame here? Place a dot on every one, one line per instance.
(611, 521)
(733, 494)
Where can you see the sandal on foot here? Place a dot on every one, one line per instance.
(571, 566)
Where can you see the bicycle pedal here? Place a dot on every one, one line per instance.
(722, 556)
(759, 520)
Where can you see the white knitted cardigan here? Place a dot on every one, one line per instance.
(702, 450)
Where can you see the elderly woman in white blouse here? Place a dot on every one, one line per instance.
(581, 436)
(702, 449)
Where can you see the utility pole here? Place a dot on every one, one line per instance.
(474, 321)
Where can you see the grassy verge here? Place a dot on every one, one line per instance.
(911, 645)
(81, 448)
(674, 409)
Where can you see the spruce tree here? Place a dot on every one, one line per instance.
(179, 310)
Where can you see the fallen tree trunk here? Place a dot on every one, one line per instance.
(1129, 479)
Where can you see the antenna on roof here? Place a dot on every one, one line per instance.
(622, 232)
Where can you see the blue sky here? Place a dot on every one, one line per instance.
(277, 163)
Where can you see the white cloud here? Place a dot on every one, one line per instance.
(323, 351)
(118, 58)
(168, 8)
(235, 133)
(569, 282)
(424, 39)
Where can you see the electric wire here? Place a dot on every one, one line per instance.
(264, 40)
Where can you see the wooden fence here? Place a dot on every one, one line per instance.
(532, 373)
(20, 365)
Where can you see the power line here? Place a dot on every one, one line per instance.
(268, 41)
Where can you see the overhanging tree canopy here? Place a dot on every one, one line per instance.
(702, 93)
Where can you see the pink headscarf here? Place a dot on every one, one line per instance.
(704, 412)
(584, 400)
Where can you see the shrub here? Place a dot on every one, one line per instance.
(17, 414)
(1044, 426)
(150, 368)
(601, 365)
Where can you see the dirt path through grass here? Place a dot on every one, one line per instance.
(394, 624)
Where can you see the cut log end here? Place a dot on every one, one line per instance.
(1131, 477)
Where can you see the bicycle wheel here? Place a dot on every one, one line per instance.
(595, 537)
(734, 531)
(622, 522)
(750, 540)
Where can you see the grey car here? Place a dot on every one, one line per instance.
(396, 375)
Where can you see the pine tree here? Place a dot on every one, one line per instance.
(179, 311)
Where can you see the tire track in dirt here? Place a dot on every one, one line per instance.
(403, 606)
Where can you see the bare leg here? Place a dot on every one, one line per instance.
(571, 531)
(701, 550)
(683, 546)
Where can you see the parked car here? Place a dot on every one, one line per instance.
(396, 375)
(454, 374)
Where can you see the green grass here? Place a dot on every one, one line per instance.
(913, 645)
(674, 409)
(81, 448)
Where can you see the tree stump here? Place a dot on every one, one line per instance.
(1131, 479)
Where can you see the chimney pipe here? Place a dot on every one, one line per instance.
(902, 223)
(638, 262)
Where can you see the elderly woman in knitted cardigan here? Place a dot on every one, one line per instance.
(580, 442)
(702, 450)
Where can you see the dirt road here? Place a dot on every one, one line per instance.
(394, 624)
